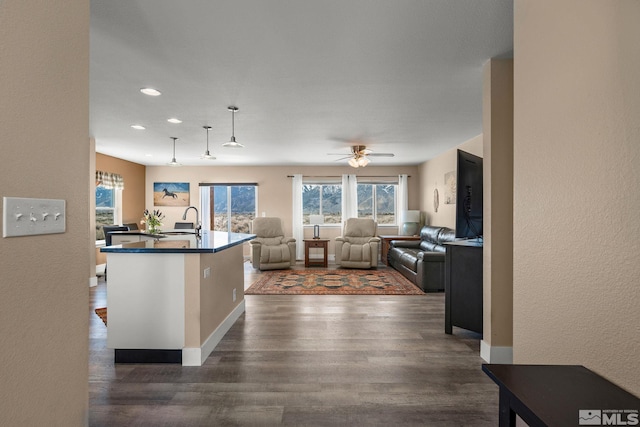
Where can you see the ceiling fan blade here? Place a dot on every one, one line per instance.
(344, 158)
(381, 155)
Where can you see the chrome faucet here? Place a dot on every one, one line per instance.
(198, 224)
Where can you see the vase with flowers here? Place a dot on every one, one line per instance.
(153, 220)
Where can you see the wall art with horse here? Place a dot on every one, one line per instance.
(171, 194)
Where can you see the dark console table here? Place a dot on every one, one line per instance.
(560, 395)
(463, 285)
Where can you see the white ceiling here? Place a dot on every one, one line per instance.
(309, 77)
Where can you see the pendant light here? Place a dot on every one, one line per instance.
(206, 154)
(232, 142)
(173, 161)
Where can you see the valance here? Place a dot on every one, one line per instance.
(109, 180)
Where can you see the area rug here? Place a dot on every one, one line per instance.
(102, 314)
(333, 282)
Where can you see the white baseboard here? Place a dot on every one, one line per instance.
(494, 354)
(193, 356)
(93, 281)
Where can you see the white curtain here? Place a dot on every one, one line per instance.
(403, 199)
(349, 197)
(205, 207)
(298, 229)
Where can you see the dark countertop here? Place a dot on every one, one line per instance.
(138, 233)
(470, 242)
(211, 241)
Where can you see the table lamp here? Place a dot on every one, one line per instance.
(315, 220)
(411, 223)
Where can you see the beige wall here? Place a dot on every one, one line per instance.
(497, 129)
(95, 257)
(216, 291)
(274, 188)
(133, 195)
(44, 116)
(576, 203)
(432, 177)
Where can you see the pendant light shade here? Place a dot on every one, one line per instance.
(232, 142)
(206, 154)
(173, 161)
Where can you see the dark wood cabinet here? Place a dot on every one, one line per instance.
(463, 285)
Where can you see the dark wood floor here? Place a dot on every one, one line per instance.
(306, 361)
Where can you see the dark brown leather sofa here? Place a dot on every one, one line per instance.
(422, 261)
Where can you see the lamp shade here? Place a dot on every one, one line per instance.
(316, 219)
(412, 216)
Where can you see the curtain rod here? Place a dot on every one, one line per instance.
(340, 176)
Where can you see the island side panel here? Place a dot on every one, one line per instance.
(216, 291)
(145, 301)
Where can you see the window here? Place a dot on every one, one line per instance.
(107, 208)
(377, 201)
(109, 188)
(228, 207)
(322, 199)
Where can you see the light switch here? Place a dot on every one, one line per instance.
(30, 217)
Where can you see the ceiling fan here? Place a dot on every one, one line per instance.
(359, 156)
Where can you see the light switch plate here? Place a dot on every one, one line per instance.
(30, 217)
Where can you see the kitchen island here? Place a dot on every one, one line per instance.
(172, 299)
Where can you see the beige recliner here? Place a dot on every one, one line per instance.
(271, 250)
(358, 245)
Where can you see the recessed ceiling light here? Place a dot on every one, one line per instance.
(138, 127)
(150, 91)
(174, 120)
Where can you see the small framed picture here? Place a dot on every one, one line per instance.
(450, 188)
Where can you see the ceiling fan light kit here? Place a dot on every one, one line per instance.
(232, 142)
(358, 162)
(359, 157)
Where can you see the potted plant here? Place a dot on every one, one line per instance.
(153, 220)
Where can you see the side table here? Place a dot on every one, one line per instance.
(316, 243)
(560, 395)
(386, 241)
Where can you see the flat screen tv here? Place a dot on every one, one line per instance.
(469, 196)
